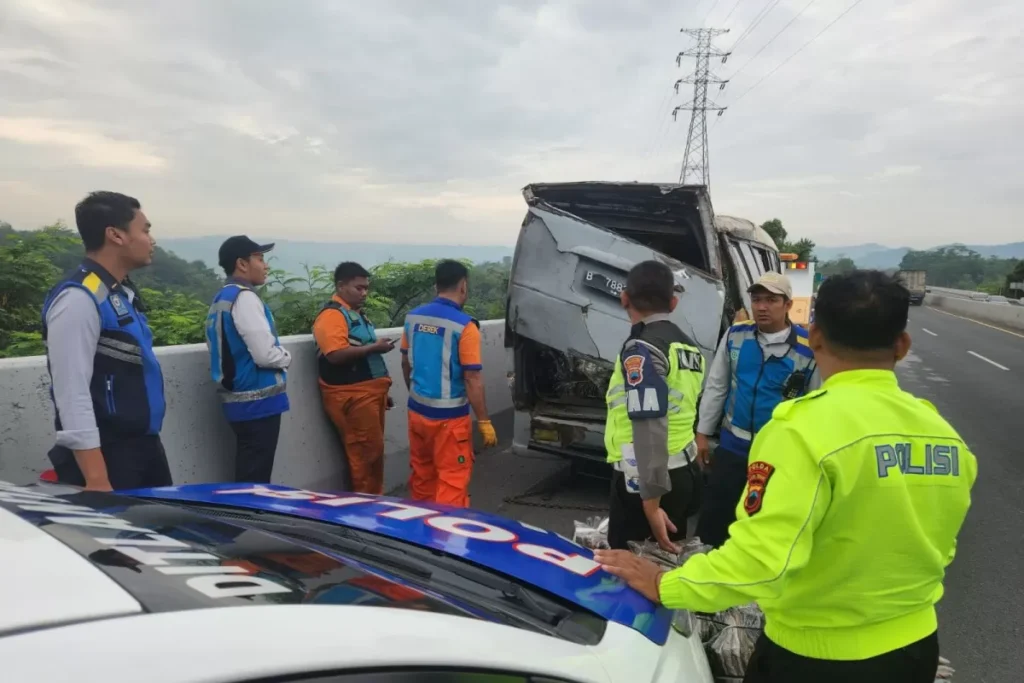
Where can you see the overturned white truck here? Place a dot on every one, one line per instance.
(565, 325)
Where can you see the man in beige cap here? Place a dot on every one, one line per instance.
(759, 364)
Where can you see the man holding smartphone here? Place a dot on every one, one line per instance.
(354, 380)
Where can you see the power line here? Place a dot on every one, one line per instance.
(713, 6)
(765, 11)
(731, 11)
(781, 31)
(801, 49)
(695, 158)
(652, 141)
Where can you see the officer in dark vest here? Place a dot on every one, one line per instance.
(107, 387)
(354, 380)
(247, 360)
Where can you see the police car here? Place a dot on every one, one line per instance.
(241, 583)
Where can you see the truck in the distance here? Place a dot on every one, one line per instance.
(914, 280)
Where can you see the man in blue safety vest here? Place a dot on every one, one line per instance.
(107, 387)
(247, 360)
(443, 371)
(759, 364)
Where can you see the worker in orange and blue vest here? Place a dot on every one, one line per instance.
(443, 371)
(354, 380)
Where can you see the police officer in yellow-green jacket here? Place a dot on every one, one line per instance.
(855, 495)
(652, 407)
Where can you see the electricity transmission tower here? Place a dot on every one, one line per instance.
(695, 159)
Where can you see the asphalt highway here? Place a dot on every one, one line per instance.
(974, 374)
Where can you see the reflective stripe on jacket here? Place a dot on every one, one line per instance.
(433, 331)
(248, 392)
(855, 495)
(127, 385)
(684, 380)
(760, 382)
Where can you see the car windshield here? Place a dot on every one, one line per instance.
(496, 594)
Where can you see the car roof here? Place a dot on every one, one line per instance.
(198, 546)
(43, 582)
(529, 554)
(267, 641)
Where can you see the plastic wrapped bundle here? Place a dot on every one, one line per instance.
(730, 651)
(592, 533)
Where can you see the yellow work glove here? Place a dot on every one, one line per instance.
(487, 432)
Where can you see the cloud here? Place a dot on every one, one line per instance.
(87, 147)
(788, 183)
(896, 172)
(422, 121)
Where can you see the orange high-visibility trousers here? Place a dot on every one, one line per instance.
(357, 411)
(441, 459)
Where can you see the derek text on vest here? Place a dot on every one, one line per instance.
(442, 369)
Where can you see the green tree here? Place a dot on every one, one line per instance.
(178, 293)
(1015, 275)
(296, 300)
(803, 248)
(175, 317)
(776, 231)
(840, 266)
(401, 287)
(958, 267)
(27, 272)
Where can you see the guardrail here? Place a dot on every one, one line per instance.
(959, 293)
(200, 445)
(1005, 315)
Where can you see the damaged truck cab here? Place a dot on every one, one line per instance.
(565, 324)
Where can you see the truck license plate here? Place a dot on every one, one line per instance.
(603, 283)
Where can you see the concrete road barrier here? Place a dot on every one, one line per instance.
(1005, 315)
(200, 445)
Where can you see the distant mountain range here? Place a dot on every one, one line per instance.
(873, 255)
(290, 255)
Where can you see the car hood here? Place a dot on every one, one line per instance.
(529, 554)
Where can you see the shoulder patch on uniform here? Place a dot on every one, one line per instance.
(92, 282)
(120, 307)
(758, 475)
(633, 368)
(783, 410)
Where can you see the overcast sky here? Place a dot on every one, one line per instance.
(421, 120)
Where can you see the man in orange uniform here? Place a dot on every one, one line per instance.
(443, 371)
(354, 381)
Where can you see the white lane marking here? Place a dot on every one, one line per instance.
(978, 355)
(925, 329)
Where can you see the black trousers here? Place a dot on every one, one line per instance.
(132, 463)
(915, 663)
(626, 518)
(727, 477)
(257, 444)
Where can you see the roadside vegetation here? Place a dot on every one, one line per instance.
(178, 293)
